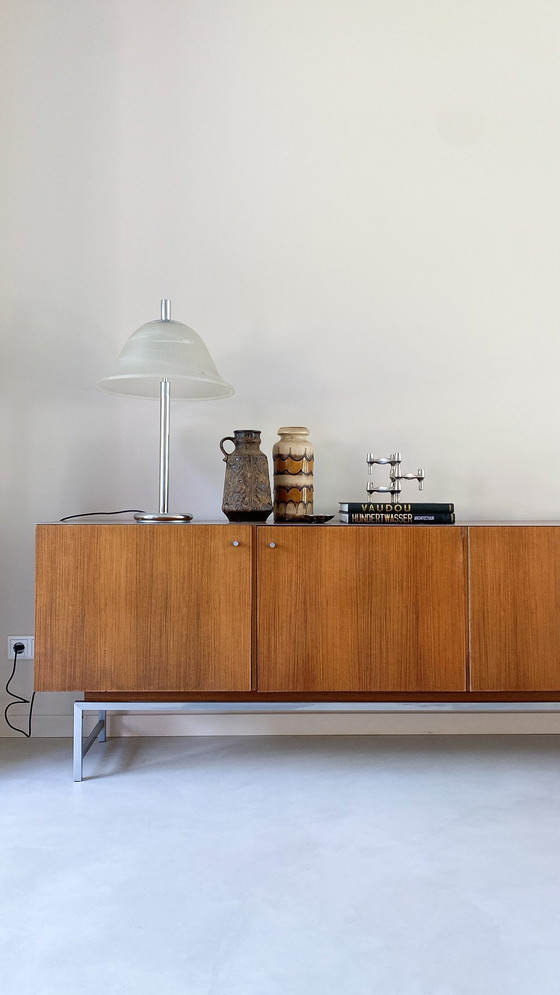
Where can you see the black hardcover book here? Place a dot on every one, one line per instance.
(397, 518)
(373, 507)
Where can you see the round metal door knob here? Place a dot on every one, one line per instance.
(235, 542)
(272, 545)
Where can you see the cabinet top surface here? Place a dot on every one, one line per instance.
(289, 525)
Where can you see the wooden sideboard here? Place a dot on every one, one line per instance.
(283, 612)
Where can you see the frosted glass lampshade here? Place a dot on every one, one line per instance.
(166, 350)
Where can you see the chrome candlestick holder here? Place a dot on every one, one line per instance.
(396, 475)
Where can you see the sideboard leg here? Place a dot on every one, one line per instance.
(81, 746)
(78, 757)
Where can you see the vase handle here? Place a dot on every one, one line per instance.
(227, 438)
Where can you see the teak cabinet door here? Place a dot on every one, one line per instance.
(143, 607)
(515, 608)
(361, 608)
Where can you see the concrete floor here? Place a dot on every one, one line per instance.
(282, 866)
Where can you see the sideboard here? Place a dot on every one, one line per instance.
(238, 612)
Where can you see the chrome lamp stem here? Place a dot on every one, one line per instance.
(164, 397)
(164, 433)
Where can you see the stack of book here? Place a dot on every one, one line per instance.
(385, 513)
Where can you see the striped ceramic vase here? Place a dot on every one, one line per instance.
(293, 474)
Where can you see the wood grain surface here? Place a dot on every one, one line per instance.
(378, 608)
(515, 608)
(151, 607)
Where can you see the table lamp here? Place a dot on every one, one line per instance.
(161, 356)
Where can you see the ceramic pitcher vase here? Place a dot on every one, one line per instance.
(293, 457)
(247, 496)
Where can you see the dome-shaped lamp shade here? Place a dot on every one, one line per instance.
(165, 349)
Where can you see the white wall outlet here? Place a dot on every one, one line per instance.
(28, 642)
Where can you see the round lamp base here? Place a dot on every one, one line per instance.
(159, 518)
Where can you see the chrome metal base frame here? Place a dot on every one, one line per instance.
(81, 746)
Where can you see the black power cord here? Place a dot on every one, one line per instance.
(89, 514)
(18, 648)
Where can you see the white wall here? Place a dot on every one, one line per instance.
(356, 204)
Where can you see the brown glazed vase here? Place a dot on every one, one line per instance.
(293, 457)
(247, 496)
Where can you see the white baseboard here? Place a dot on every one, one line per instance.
(45, 726)
(292, 724)
(331, 724)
